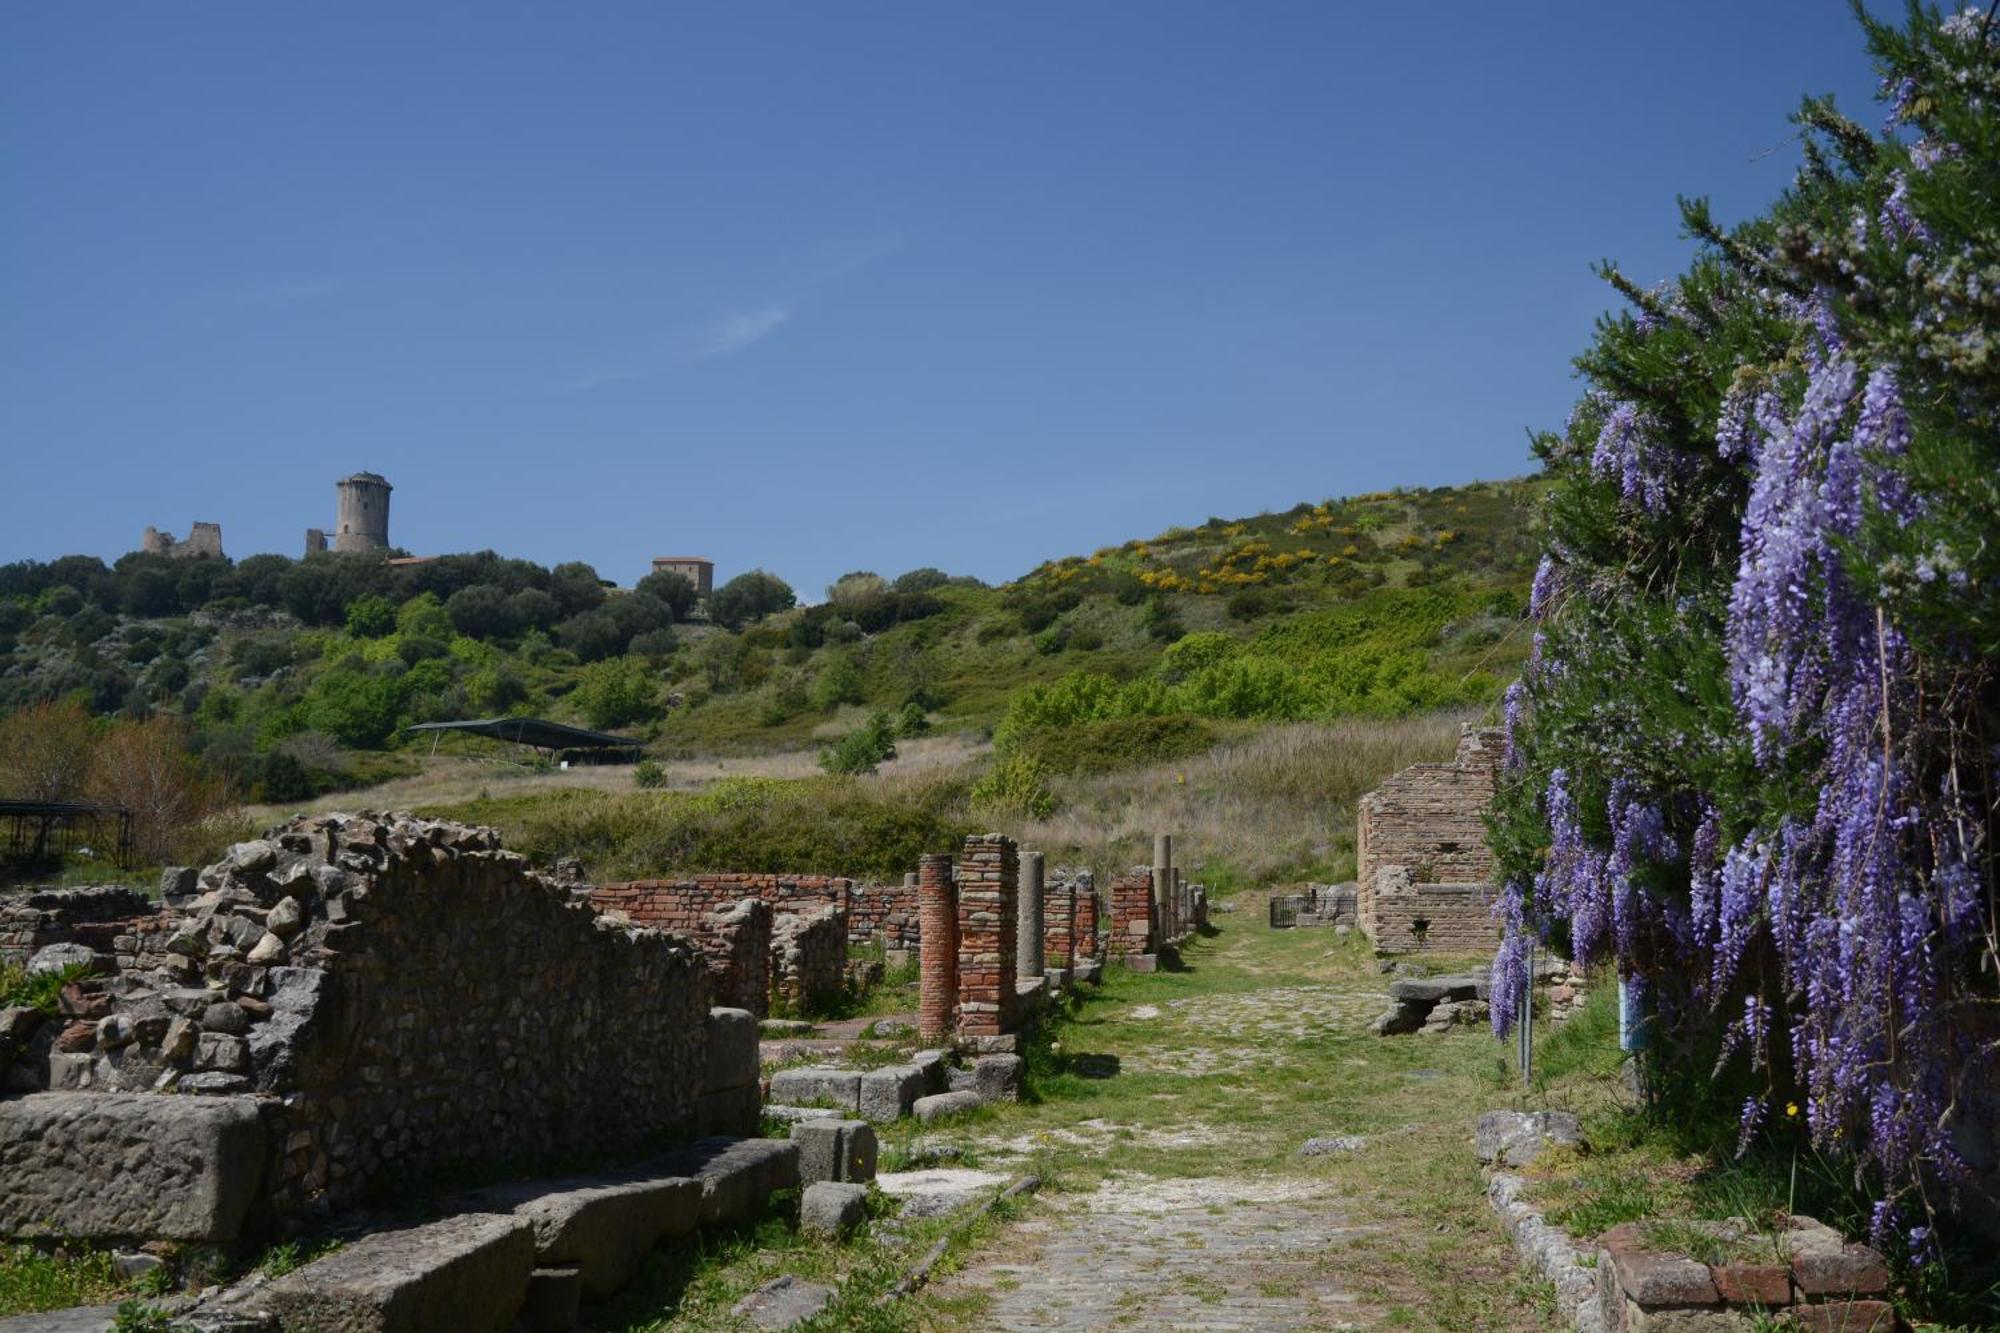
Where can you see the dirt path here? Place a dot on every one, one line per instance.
(1171, 1130)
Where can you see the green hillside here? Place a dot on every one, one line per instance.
(295, 677)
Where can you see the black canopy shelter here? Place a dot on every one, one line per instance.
(541, 734)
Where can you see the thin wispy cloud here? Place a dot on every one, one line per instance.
(736, 332)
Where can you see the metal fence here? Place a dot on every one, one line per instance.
(41, 833)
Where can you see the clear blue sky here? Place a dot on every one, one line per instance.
(818, 287)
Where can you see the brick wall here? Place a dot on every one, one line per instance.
(1456, 918)
(988, 880)
(1429, 820)
(1133, 929)
(1070, 916)
(885, 912)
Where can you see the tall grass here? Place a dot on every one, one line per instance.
(1274, 805)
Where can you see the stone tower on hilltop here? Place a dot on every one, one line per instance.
(361, 515)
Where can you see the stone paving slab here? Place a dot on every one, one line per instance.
(1176, 1254)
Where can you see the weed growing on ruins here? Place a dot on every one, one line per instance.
(39, 991)
(54, 1277)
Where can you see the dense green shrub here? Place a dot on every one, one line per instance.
(1016, 785)
(862, 750)
(616, 692)
(1115, 743)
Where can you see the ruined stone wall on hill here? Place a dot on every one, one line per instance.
(409, 997)
(1428, 823)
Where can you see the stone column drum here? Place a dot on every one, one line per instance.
(1033, 952)
(937, 948)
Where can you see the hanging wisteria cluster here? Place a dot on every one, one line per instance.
(1788, 839)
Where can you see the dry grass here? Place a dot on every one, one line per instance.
(454, 779)
(1275, 805)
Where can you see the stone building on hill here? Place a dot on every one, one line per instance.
(202, 539)
(699, 572)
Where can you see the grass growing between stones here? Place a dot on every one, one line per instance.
(34, 1278)
(1198, 1086)
(696, 1284)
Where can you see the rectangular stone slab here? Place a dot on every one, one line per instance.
(606, 1225)
(807, 1087)
(736, 1175)
(102, 1165)
(887, 1093)
(467, 1273)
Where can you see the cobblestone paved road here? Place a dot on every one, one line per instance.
(1174, 1254)
(1257, 1250)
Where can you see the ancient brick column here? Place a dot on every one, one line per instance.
(988, 953)
(1163, 885)
(1083, 918)
(937, 948)
(1033, 953)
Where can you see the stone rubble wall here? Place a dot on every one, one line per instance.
(736, 942)
(100, 918)
(1133, 930)
(885, 912)
(808, 958)
(407, 997)
(988, 884)
(1429, 820)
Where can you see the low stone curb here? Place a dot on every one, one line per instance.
(921, 1274)
(1550, 1251)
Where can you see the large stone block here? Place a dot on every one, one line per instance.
(886, 1093)
(732, 1049)
(831, 1209)
(468, 1274)
(104, 1165)
(604, 1224)
(939, 1105)
(736, 1175)
(1516, 1138)
(842, 1150)
(732, 1111)
(997, 1078)
(830, 1087)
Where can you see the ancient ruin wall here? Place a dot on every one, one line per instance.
(1132, 925)
(885, 912)
(105, 919)
(808, 958)
(683, 904)
(1428, 819)
(415, 996)
(1070, 908)
(736, 943)
(1406, 915)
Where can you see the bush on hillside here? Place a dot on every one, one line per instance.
(862, 750)
(617, 692)
(750, 597)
